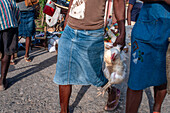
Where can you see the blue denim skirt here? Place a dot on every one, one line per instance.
(27, 24)
(149, 46)
(80, 58)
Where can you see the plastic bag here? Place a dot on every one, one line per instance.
(52, 20)
(52, 41)
(49, 8)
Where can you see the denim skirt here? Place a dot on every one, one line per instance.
(80, 58)
(27, 24)
(149, 46)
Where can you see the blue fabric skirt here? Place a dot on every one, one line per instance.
(27, 24)
(80, 58)
(149, 46)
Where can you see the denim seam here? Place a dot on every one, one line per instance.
(69, 64)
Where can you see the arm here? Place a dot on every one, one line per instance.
(119, 9)
(166, 1)
(65, 23)
(130, 6)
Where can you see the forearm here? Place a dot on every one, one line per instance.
(129, 14)
(129, 18)
(119, 8)
(65, 23)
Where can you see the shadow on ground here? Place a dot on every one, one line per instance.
(35, 68)
(80, 95)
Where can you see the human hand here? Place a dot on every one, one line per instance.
(120, 40)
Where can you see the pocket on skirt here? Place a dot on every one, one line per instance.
(145, 30)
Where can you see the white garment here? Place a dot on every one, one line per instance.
(77, 9)
(51, 21)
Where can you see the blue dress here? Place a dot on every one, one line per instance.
(149, 46)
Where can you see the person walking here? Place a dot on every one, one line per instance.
(9, 19)
(148, 55)
(81, 49)
(27, 26)
(134, 8)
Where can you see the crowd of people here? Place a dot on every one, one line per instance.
(17, 20)
(81, 47)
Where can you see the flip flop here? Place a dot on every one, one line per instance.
(116, 102)
(27, 59)
(12, 62)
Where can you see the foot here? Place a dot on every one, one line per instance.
(27, 59)
(3, 87)
(12, 62)
(113, 99)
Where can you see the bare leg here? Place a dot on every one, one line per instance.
(4, 69)
(133, 100)
(12, 62)
(65, 92)
(27, 45)
(113, 99)
(159, 95)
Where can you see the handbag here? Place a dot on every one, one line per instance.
(49, 8)
(31, 2)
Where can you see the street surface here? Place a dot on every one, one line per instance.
(31, 90)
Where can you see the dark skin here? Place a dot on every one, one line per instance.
(134, 97)
(65, 90)
(5, 61)
(130, 6)
(27, 45)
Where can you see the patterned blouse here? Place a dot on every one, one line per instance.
(9, 14)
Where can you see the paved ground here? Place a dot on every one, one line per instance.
(31, 90)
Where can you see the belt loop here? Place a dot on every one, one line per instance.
(75, 31)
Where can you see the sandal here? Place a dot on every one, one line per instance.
(12, 62)
(27, 59)
(114, 102)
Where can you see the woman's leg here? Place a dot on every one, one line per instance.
(5, 61)
(133, 100)
(65, 93)
(12, 61)
(27, 45)
(159, 95)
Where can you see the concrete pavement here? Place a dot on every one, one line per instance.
(31, 90)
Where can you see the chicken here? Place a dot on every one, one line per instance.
(114, 69)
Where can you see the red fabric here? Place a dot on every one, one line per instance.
(48, 10)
